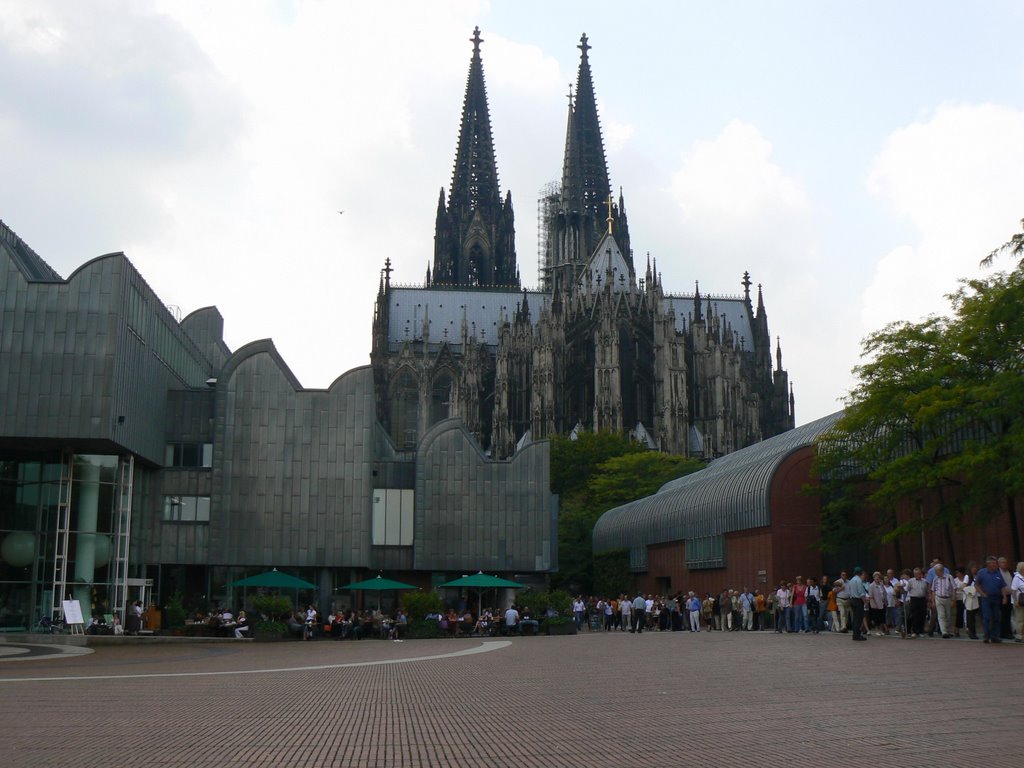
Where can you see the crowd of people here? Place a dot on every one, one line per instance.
(223, 622)
(912, 603)
(985, 602)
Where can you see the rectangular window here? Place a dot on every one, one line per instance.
(189, 455)
(705, 552)
(393, 517)
(187, 509)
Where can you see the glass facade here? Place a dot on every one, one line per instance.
(47, 556)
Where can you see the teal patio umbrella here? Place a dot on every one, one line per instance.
(274, 579)
(481, 581)
(377, 584)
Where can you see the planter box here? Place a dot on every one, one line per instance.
(562, 628)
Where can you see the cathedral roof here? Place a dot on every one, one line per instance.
(445, 309)
(609, 263)
(731, 310)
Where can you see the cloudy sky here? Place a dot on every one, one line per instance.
(857, 159)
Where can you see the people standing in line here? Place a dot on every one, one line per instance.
(833, 607)
(890, 585)
(1006, 610)
(824, 617)
(693, 609)
(1017, 600)
(958, 602)
(760, 611)
(626, 607)
(917, 590)
(877, 604)
(747, 609)
(639, 613)
(725, 609)
(813, 598)
(858, 592)
(799, 609)
(971, 602)
(782, 603)
(843, 601)
(942, 592)
(707, 610)
(991, 586)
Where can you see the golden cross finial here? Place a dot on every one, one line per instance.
(610, 219)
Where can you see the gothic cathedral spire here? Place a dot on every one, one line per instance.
(583, 207)
(474, 237)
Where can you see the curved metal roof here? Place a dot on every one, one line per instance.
(730, 494)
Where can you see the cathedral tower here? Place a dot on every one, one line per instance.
(474, 237)
(585, 203)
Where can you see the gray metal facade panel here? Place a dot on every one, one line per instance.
(73, 371)
(278, 498)
(468, 507)
(731, 494)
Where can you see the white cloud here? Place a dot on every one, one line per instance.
(956, 178)
(617, 135)
(737, 209)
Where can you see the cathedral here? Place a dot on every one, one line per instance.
(597, 346)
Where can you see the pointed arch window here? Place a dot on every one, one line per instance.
(476, 265)
(441, 397)
(405, 410)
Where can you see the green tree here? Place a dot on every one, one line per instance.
(937, 412)
(1015, 247)
(592, 475)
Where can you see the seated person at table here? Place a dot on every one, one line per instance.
(483, 624)
(526, 619)
(227, 622)
(453, 622)
(398, 625)
(366, 625)
(241, 625)
(338, 628)
(467, 624)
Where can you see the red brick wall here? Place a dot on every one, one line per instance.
(954, 547)
(796, 520)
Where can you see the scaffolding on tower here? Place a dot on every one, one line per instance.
(547, 208)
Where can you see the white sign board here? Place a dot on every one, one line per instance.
(72, 612)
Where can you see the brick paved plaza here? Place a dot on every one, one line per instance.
(667, 699)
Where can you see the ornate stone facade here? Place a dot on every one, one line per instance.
(595, 348)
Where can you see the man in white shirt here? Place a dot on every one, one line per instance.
(782, 604)
(511, 620)
(943, 594)
(626, 609)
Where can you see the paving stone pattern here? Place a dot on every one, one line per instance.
(657, 699)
